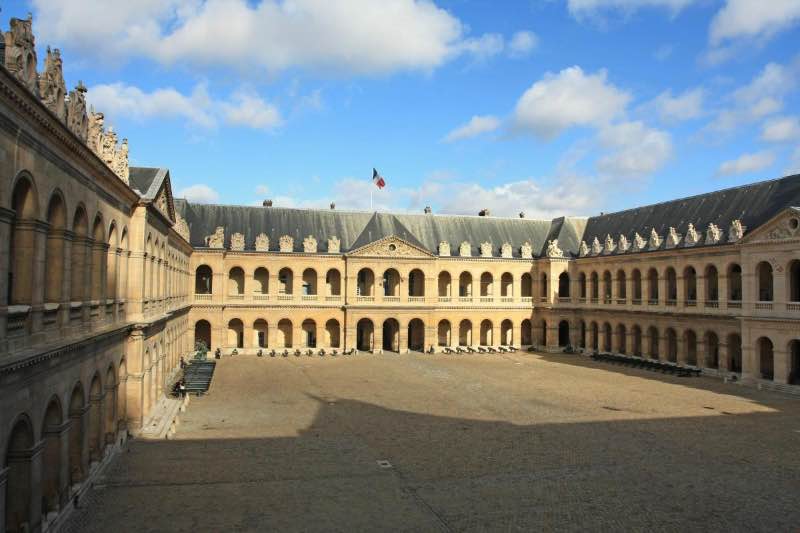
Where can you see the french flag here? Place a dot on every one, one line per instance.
(377, 179)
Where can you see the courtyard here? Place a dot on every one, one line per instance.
(505, 442)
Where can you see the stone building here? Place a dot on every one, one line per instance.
(106, 280)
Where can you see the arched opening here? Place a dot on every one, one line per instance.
(526, 331)
(595, 286)
(636, 278)
(111, 263)
(582, 285)
(309, 282)
(794, 281)
(672, 346)
(622, 285)
(260, 333)
(486, 333)
(652, 285)
(95, 420)
(284, 337)
(766, 358)
(690, 284)
(595, 334)
(735, 283)
(636, 332)
(54, 255)
(582, 336)
(712, 283)
(333, 282)
(794, 362)
(261, 278)
(735, 353)
(332, 333)
(98, 258)
(391, 335)
(22, 250)
(443, 333)
(285, 281)
(672, 285)
(202, 334)
(309, 333)
(76, 432)
(543, 332)
(465, 333)
(543, 285)
(465, 285)
(203, 280)
(80, 228)
(487, 284)
(19, 482)
(764, 281)
(364, 334)
(563, 333)
(416, 335)
(652, 334)
(416, 283)
(236, 281)
(51, 458)
(235, 333)
(506, 333)
(110, 405)
(444, 284)
(526, 286)
(365, 281)
(622, 338)
(607, 337)
(391, 283)
(712, 350)
(690, 345)
(607, 285)
(563, 285)
(506, 285)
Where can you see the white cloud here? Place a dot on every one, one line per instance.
(753, 19)
(581, 8)
(247, 109)
(351, 36)
(781, 129)
(477, 125)
(636, 150)
(119, 99)
(747, 163)
(522, 43)
(199, 194)
(567, 99)
(685, 106)
(484, 47)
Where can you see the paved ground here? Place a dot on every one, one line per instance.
(473, 443)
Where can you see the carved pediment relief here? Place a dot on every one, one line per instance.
(310, 245)
(784, 226)
(262, 242)
(286, 243)
(391, 246)
(237, 242)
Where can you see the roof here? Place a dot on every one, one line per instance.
(147, 181)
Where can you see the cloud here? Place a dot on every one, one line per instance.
(747, 163)
(486, 46)
(685, 106)
(522, 43)
(199, 194)
(636, 150)
(248, 109)
(262, 190)
(583, 8)
(476, 126)
(346, 36)
(568, 99)
(781, 129)
(753, 19)
(119, 99)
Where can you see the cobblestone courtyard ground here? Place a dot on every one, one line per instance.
(472, 443)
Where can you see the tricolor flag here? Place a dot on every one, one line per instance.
(377, 179)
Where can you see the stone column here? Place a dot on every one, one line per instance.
(402, 337)
(377, 338)
(724, 354)
(781, 363)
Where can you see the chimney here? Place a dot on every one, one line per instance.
(333, 206)
(483, 213)
(428, 210)
(267, 203)
(522, 214)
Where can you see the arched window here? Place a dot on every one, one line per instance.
(563, 285)
(22, 246)
(766, 360)
(672, 286)
(582, 285)
(735, 353)
(652, 286)
(443, 333)
(19, 478)
(506, 333)
(202, 334)
(764, 280)
(260, 333)
(636, 331)
(309, 333)
(712, 350)
(465, 333)
(416, 335)
(465, 285)
(444, 284)
(690, 345)
(712, 283)
(309, 282)
(526, 287)
(735, 283)
(365, 281)
(112, 257)
(652, 334)
(364, 334)
(98, 258)
(595, 286)
(486, 333)
(391, 335)
(506, 285)
(526, 332)
(391, 283)
(333, 282)
(607, 285)
(563, 334)
(543, 285)
(690, 284)
(261, 278)
(235, 333)
(794, 281)
(487, 284)
(636, 277)
(607, 334)
(51, 457)
(672, 346)
(332, 332)
(622, 338)
(622, 285)
(285, 281)
(57, 220)
(203, 280)
(236, 281)
(284, 338)
(416, 283)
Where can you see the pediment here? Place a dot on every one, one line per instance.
(391, 246)
(783, 226)
(163, 201)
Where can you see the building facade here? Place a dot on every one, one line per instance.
(106, 280)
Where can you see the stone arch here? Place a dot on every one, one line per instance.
(486, 333)
(416, 335)
(711, 276)
(563, 285)
(365, 334)
(77, 430)
(793, 351)
(636, 282)
(735, 353)
(54, 250)
(285, 281)
(53, 492)
(465, 333)
(636, 335)
(391, 335)
(672, 285)
(712, 350)
(542, 332)
(416, 283)
(526, 332)
(365, 283)
(309, 328)
(444, 333)
(98, 257)
(622, 338)
(595, 283)
(690, 346)
(506, 285)
(582, 292)
(526, 285)
(690, 284)
(95, 418)
(543, 285)
(622, 284)
(333, 282)
(563, 334)
(766, 358)
(652, 285)
(110, 404)
(19, 476)
(284, 333)
(202, 334)
(203, 280)
(445, 284)
(22, 246)
(607, 291)
(465, 285)
(595, 335)
(391, 283)
(309, 282)
(235, 333)
(672, 345)
(236, 281)
(608, 334)
(506, 333)
(260, 333)
(793, 285)
(487, 284)
(112, 257)
(764, 281)
(734, 282)
(652, 335)
(332, 333)
(261, 277)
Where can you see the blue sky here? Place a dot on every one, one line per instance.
(552, 107)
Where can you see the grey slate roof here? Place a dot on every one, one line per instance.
(147, 180)
(753, 204)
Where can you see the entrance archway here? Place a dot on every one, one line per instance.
(284, 339)
(794, 362)
(563, 334)
(465, 333)
(443, 333)
(202, 334)
(735, 353)
(766, 360)
(364, 334)
(486, 333)
(416, 335)
(391, 335)
(309, 333)
(51, 458)
(19, 482)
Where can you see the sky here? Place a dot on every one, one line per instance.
(547, 107)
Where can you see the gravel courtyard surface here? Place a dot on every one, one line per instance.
(512, 442)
